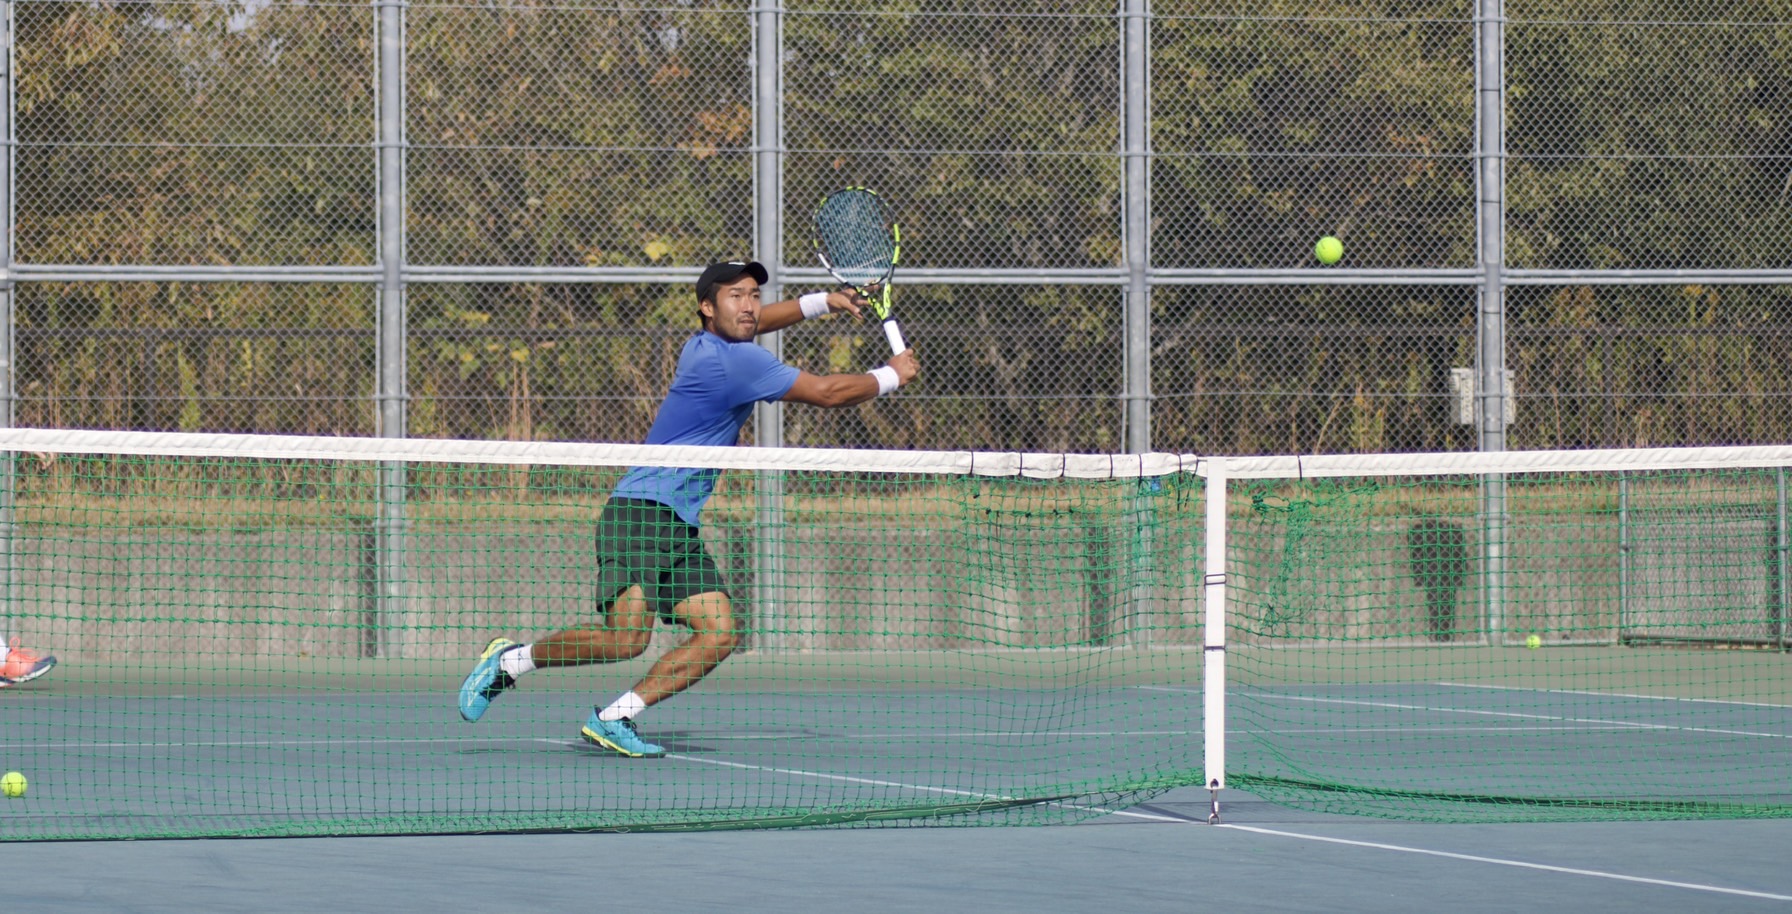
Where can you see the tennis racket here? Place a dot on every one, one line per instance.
(858, 240)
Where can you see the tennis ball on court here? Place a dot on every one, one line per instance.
(1328, 250)
(13, 784)
(1533, 642)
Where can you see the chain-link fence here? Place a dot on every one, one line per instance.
(482, 220)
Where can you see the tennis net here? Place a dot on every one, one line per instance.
(265, 635)
(1532, 635)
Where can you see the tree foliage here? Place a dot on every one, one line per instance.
(544, 134)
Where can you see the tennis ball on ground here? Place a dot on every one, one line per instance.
(1533, 642)
(13, 784)
(1328, 250)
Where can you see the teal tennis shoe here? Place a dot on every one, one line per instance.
(487, 681)
(619, 736)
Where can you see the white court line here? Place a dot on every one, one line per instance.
(952, 734)
(1310, 731)
(864, 735)
(1633, 725)
(1521, 864)
(873, 782)
(794, 772)
(1398, 706)
(1572, 871)
(254, 743)
(841, 778)
(848, 779)
(1702, 701)
(500, 740)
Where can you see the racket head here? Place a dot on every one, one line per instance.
(858, 241)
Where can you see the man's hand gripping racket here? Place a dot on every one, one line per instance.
(859, 242)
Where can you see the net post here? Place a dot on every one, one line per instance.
(1213, 622)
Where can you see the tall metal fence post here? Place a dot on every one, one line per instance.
(384, 635)
(1782, 540)
(8, 460)
(1490, 215)
(1135, 81)
(1623, 557)
(769, 616)
(1135, 89)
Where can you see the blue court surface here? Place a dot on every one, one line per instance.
(1162, 856)
(144, 757)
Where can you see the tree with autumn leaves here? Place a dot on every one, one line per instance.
(566, 135)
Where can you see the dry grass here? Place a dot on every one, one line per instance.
(66, 491)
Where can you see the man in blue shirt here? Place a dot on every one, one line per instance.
(651, 561)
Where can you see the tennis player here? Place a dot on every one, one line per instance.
(651, 560)
(19, 665)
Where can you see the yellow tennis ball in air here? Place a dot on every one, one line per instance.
(1533, 642)
(1329, 250)
(13, 784)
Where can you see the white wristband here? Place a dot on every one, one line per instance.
(815, 304)
(886, 379)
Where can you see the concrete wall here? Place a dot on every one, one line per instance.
(105, 593)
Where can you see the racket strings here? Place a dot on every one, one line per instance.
(854, 238)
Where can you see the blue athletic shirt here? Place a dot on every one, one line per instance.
(712, 396)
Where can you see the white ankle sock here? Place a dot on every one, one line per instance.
(518, 661)
(627, 706)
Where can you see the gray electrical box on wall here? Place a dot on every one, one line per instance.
(1462, 396)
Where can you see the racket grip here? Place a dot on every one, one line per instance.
(893, 333)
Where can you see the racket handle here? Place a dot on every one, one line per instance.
(893, 333)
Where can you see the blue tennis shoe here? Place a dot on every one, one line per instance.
(487, 681)
(619, 736)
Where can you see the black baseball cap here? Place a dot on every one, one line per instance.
(728, 271)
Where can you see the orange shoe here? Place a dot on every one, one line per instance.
(23, 666)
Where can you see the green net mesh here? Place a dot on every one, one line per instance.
(266, 637)
(259, 645)
(1531, 646)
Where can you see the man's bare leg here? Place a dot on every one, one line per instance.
(712, 639)
(711, 618)
(624, 634)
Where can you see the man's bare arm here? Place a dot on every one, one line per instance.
(837, 390)
(778, 315)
